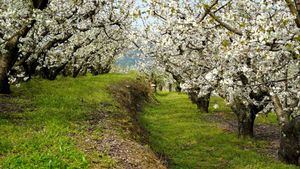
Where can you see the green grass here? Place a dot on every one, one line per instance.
(45, 134)
(180, 132)
(222, 106)
(269, 118)
(47, 125)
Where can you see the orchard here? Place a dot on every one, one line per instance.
(245, 52)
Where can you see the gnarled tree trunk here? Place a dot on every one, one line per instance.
(245, 119)
(246, 115)
(160, 87)
(4, 67)
(170, 87)
(289, 150)
(178, 88)
(76, 72)
(7, 60)
(201, 102)
(245, 123)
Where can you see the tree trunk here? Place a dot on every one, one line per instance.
(4, 68)
(170, 87)
(245, 124)
(55, 72)
(282, 116)
(289, 150)
(160, 88)
(201, 102)
(245, 117)
(7, 60)
(93, 71)
(155, 88)
(84, 70)
(76, 72)
(64, 72)
(4, 85)
(45, 73)
(106, 69)
(178, 88)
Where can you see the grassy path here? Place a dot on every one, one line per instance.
(180, 132)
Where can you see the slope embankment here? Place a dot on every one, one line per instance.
(73, 123)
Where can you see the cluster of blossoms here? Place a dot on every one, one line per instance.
(245, 51)
(63, 36)
(254, 46)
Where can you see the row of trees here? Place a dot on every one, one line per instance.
(245, 51)
(69, 37)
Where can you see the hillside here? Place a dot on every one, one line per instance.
(70, 123)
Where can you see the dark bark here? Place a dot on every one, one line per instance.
(155, 87)
(45, 73)
(170, 87)
(245, 123)
(245, 117)
(56, 71)
(177, 78)
(64, 72)
(106, 69)
(40, 4)
(84, 70)
(160, 88)
(178, 88)
(6, 62)
(289, 150)
(246, 113)
(76, 72)
(51, 74)
(100, 70)
(201, 102)
(4, 85)
(30, 67)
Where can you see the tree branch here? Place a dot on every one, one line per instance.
(295, 10)
(207, 10)
(225, 25)
(40, 4)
